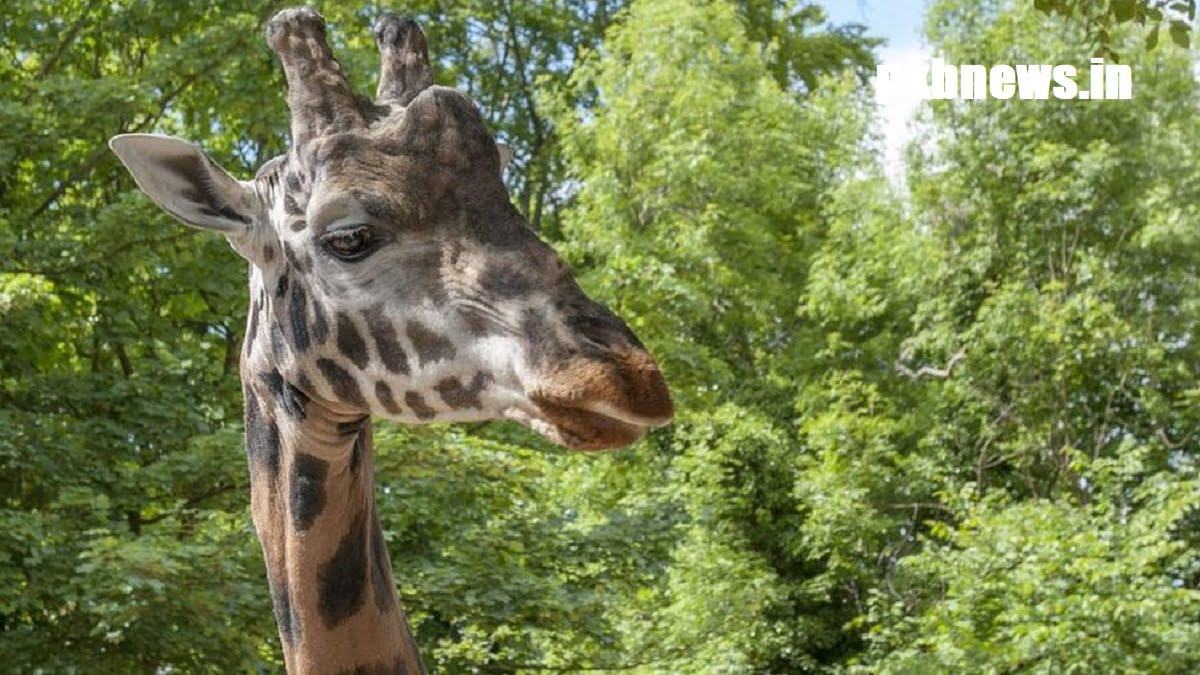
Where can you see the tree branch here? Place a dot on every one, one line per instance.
(101, 152)
(929, 371)
(189, 503)
(68, 39)
(103, 256)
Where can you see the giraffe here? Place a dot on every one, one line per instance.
(390, 277)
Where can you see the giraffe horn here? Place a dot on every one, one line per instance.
(319, 97)
(404, 56)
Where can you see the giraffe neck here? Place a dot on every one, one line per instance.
(313, 506)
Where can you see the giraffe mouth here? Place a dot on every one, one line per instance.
(579, 428)
(600, 404)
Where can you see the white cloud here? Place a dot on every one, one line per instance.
(897, 105)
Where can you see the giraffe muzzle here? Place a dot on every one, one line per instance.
(604, 404)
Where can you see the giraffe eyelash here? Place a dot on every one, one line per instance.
(349, 244)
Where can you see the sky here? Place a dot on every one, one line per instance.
(899, 23)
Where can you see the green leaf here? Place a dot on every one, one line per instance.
(1124, 10)
(1180, 34)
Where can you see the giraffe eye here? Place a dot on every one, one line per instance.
(349, 243)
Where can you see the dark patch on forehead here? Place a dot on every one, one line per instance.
(281, 288)
(342, 580)
(268, 253)
(383, 334)
(384, 393)
(385, 595)
(418, 405)
(262, 436)
(285, 615)
(345, 388)
(298, 318)
(306, 494)
(298, 224)
(430, 346)
(196, 173)
(350, 343)
(458, 396)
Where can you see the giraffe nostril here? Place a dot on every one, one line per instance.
(646, 390)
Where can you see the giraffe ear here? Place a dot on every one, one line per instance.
(187, 183)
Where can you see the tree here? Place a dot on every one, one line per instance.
(1102, 20)
(1042, 385)
(125, 543)
(703, 185)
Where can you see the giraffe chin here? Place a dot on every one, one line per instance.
(578, 429)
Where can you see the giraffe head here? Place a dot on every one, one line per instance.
(393, 276)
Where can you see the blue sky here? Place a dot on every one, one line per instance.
(899, 21)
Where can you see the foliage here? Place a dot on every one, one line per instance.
(707, 257)
(1103, 19)
(943, 427)
(1044, 586)
(1050, 356)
